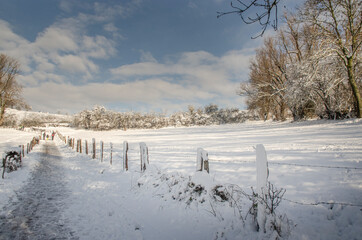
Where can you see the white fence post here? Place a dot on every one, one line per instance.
(144, 156)
(125, 155)
(261, 184)
(202, 161)
(199, 162)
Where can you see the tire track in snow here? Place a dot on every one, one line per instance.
(37, 211)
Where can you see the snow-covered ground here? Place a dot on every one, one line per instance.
(317, 162)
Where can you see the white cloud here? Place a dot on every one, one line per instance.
(43, 63)
(66, 5)
(62, 46)
(72, 64)
(155, 92)
(219, 75)
(105, 12)
(37, 78)
(110, 27)
(147, 57)
(56, 39)
(98, 47)
(8, 39)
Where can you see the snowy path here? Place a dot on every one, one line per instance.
(36, 212)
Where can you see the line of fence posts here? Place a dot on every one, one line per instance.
(29, 146)
(202, 164)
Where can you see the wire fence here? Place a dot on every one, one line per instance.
(323, 203)
(178, 153)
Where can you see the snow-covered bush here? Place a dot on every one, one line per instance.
(226, 202)
(11, 161)
(17, 118)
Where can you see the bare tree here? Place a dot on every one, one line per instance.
(264, 12)
(266, 87)
(10, 90)
(302, 70)
(339, 24)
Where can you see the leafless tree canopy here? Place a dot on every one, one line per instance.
(263, 12)
(10, 90)
(312, 67)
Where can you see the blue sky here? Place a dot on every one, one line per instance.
(139, 55)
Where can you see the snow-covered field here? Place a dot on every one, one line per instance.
(317, 162)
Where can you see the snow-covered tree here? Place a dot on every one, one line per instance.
(339, 25)
(10, 89)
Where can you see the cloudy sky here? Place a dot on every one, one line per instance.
(139, 55)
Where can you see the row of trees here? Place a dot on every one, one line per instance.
(14, 118)
(99, 118)
(312, 67)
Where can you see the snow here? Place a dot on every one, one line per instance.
(317, 162)
(10, 140)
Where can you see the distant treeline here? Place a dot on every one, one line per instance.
(14, 119)
(99, 118)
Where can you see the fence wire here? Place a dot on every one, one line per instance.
(187, 152)
(315, 166)
(323, 203)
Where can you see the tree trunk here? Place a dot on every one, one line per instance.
(354, 86)
(2, 112)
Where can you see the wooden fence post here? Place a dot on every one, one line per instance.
(144, 156)
(77, 148)
(80, 145)
(22, 150)
(27, 148)
(202, 160)
(111, 146)
(261, 184)
(86, 147)
(125, 155)
(101, 150)
(94, 148)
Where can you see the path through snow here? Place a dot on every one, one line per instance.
(36, 212)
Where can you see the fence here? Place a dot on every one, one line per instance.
(77, 145)
(203, 164)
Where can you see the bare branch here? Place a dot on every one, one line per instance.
(266, 10)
